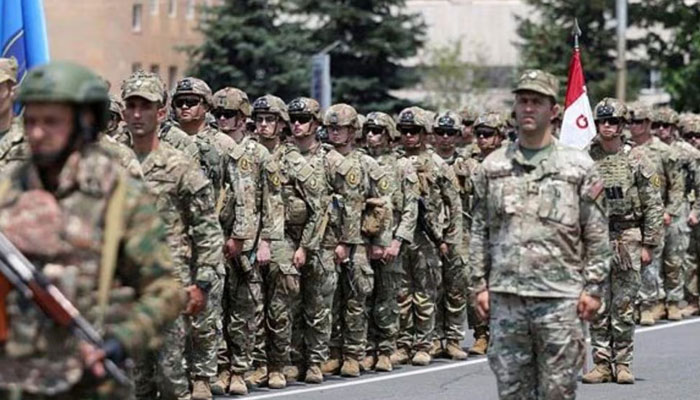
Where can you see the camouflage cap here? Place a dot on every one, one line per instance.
(195, 86)
(640, 111)
(382, 120)
(271, 104)
(414, 116)
(469, 113)
(448, 120)
(230, 98)
(341, 115)
(538, 81)
(666, 115)
(144, 84)
(8, 70)
(610, 108)
(491, 119)
(115, 105)
(305, 105)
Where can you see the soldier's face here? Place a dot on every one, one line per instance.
(694, 139)
(663, 130)
(339, 134)
(266, 125)
(640, 127)
(533, 112)
(445, 140)
(488, 139)
(609, 128)
(142, 116)
(303, 125)
(7, 93)
(48, 128)
(229, 121)
(377, 137)
(189, 108)
(412, 136)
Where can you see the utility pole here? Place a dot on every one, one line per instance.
(621, 13)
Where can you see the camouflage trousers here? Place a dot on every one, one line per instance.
(612, 330)
(417, 293)
(164, 371)
(206, 334)
(690, 265)
(478, 325)
(451, 300)
(350, 317)
(312, 309)
(652, 288)
(676, 245)
(383, 309)
(536, 347)
(243, 304)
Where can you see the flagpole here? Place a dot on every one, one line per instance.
(576, 33)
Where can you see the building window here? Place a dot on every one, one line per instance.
(135, 67)
(190, 9)
(172, 76)
(153, 6)
(136, 12)
(172, 8)
(155, 68)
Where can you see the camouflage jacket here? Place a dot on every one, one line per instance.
(13, 146)
(185, 201)
(401, 185)
(632, 201)
(469, 151)
(213, 145)
(668, 178)
(539, 230)
(377, 206)
(464, 169)
(122, 154)
(439, 194)
(121, 134)
(690, 166)
(39, 356)
(177, 138)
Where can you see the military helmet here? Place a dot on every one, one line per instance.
(272, 105)
(230, 98)
(305, 105)
(414, 116)
(116, 106)
(144, 84)
(491, 119)
(447, 121)
(379, 119)
(469, 114)
(688, 122)
(341, 114)
(191, 85)
(610, 108)
(62, 81)
(640, 111)
(666, 115)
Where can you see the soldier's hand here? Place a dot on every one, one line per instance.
(376, 252)
(667, 219)
(92, 359)
(392, 251)
(646, 256)
(482, 305)
(233, 248)
(197, 300)
(587, 306)
(299, 257)
(693, 219)
(341, 253)
(263, 253)
(444, 249)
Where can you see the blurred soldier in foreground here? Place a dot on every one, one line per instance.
(539, 250)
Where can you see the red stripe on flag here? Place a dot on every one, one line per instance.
(576, 84)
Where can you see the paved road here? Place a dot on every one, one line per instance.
(666, 367)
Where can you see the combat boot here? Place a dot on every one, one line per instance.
(257, 377)
(436, 349)
(624, 375)
(314, 374)
(368, 362)
(674, 312)
(481, 342)
(421, 359)
(659, 311)
(237, 385)
(600, 374)
(400, 356)
(291, 373)
(275, 379)
(351, 368)
(454, 350)
(201, 389)
(692, 308)
(222, 382)
(647, 316)
(332, 365)
(383, 363)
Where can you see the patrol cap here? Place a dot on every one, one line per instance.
(305, 105)
(378, 119)
(666, 115)
(538, 81)
(271, 104)
(414, 116)
(447, 120)
(341, 114)
(8, 70)
(191, 85)
(144, 84)
(231, 98)
(610, 108)
(490, 119)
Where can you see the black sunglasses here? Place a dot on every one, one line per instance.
(300, 118)
(485, 133)
(223, 113)
(375, 130)
(187, 101)
(692, 135)
(657, 125)
(610, 121)
(446, 132)
(411, 130)
(467, 123)
(637, 121)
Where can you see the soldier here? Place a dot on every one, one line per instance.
(402, 187)
(231, 110)
(539, 250)
(68, 209)
(116, 128)
(452, 293)
(690, 131)
(185, 200)
(467, 143)
(635, 217)
(13, 146)
(439, 228)
(668, 179)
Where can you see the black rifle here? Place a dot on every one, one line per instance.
(33, 285)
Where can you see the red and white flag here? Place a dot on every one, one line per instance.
(578, 126)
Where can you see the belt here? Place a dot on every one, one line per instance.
(619, 226)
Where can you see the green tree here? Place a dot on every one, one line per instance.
(547, 43)
(248, 44)
(376, 36)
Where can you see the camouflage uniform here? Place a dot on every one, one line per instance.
(401, 185)
(635, 214)
(40, 358)
(421, 260)
(13, 146)
(171, 134)
(118, 130)
(469, 116)
(122, 154)
(691, 125)
(539, 239)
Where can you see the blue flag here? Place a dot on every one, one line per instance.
(23, 33)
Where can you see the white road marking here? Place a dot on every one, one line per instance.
(429, 370)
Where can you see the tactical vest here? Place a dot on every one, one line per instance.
(621, 190)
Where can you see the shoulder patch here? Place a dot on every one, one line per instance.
(655, 180)
(353, 177)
